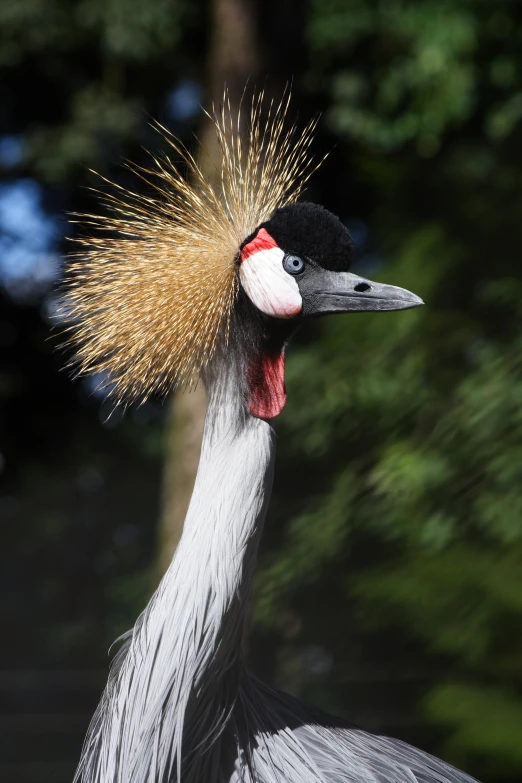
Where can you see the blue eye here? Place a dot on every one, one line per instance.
(293, 264)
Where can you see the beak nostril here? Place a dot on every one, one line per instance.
(360, 287)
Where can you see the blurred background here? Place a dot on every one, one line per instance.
(390, 583)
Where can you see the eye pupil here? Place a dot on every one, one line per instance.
(293, 264)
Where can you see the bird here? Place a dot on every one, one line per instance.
(205, 278)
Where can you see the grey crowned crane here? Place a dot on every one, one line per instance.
(198, 279)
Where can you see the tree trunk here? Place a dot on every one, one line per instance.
(233, 60)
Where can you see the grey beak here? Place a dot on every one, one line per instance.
(344, 292)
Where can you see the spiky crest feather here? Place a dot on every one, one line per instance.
(151, 293)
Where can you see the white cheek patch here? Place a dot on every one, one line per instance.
(268, 286)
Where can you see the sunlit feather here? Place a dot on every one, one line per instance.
(150, 294)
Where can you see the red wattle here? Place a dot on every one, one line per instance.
(267, 386)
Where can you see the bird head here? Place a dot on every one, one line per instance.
(295, 265)
(209, 272)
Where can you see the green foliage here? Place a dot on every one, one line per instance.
(129, 29)
(134, 30)
(406, 429)
(314, 539)
(485, 719)
(430, 425)
(426, 71)
(99, 117)
(96, 65)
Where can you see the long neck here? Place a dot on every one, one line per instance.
(218, 548)
(177, 683)
(217, 553)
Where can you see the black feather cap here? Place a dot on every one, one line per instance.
(312, 232)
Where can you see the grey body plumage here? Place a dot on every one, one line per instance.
(180, 706)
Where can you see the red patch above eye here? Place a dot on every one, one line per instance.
(266, 380)
(261, 241)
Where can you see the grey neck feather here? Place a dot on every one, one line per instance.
(174, 684)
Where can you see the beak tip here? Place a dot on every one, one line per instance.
(407, 300)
